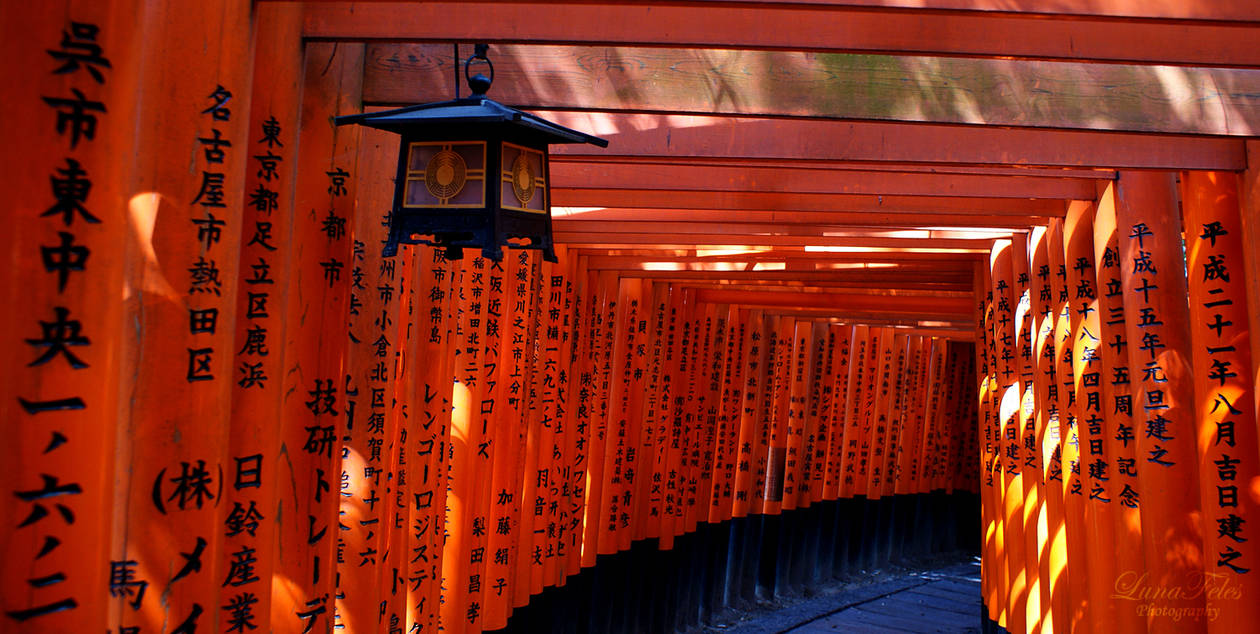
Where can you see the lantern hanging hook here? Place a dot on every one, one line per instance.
(479, 84)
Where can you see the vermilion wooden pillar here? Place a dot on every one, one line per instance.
(842, 365)
(62, 283)
(1224, 420)
(989, 436)
(1157, 330)
(1117, 404)
(1029, 457)
(1249, 220)
(1051, 555)
(858, 361)
(749, 456)
(1006, 374)
(1076, 583)
(258, 364)
(180, 304)
(364, 474)
(1096, 470)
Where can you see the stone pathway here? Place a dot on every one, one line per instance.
(943, 601)
(940, 600)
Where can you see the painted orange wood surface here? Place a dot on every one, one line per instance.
(651, 497)
(1159, 360)
(365, 473)
(426, 486)
(733, 388)
(1117, 404)
(1224, 418)
(749, 479)
(820, 407)
(776, 464)
(842, 365)
(53, 401)
(991, 434)
(1095, 465)
(858, 354)
(1006, 374)
(578, 431)
(176, 425)
(800, 365)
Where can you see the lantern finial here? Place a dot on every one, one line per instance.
(479, 84)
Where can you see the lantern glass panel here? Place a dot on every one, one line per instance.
(445, 174)
(523, 182)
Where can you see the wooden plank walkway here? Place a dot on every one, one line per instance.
(945, 599)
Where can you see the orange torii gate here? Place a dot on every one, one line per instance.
(778, 348)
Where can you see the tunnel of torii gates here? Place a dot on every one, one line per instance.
(854, 283)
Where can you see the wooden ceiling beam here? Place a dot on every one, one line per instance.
(791, 202)
(845, 286)
(777, 254)
(854, 244)
(799, 264)
(954, 308)
(711, 136)
(902, 220)
(956, 236)
(799, 26)
(905, 88)
(1091, 174)
(683, 177)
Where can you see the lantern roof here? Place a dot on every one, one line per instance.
(474, 110)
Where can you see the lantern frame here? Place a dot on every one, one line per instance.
(488, 223)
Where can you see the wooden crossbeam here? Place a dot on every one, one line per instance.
(757, 230)
(696, 136)
(800, 26)
(682, 177)
(905, 220)
(830, 85)
(789, 262)
(798, 202)
(1092, 173)
(955, 307)
(739, 239)
(775, 253)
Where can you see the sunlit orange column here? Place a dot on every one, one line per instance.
(746, 425)
(1051, 556)
(1117, 405)
(651, 497)
(67, 213)
(1075, 617)
(851, 439)
(190, 163)
(798, 397)
(1006, 373)
(1225, 417)
(364, 477)
(1249, 223)
(829, 434)
(1029, 457)
(842, 365)
(673, 401)
(258, 364)
(1157, 330)
(1096, 469)
(576, 428)
(989, 435)
(425, 488)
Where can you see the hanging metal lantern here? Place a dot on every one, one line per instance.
(472, 172)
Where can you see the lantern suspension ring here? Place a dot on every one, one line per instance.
(479, 84)
(471, 172)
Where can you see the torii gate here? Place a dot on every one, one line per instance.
(835, 252)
